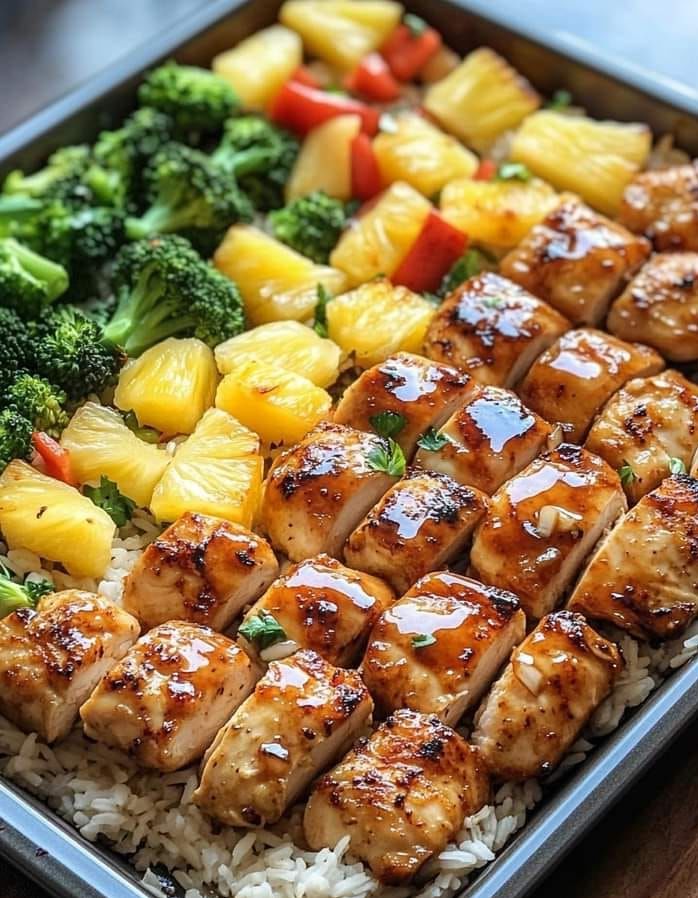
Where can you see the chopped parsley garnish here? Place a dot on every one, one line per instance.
(423, 640)
(38, 588)
(561, 99)
(626, 474)
(107, 497)
(15, 595)
(414, 24)
(388, 424)
(513, 171)
(432, 440)
(470, 263)
(389, 459)
(320, 315)
(676, 466)
(263, 630)
(491, 302)
(147, 434)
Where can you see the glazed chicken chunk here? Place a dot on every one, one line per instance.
(202, 569)
(51, 659)
(493, 329)
(164, 702)
(660, 307)
(406, 394)
(643, 576)
(421, 524)
(534, 712)
(543, 523)
(317, 604)
(646, 428)
(577, 260)
(573, 379)
(318, 491)
(663, 205)
(303, 715)
(400, 795)
(488, 440)
(441, 645)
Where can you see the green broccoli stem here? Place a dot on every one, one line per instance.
(243, 162)
(53, 275)
(159, 219)
(14, 210)
(12, 597)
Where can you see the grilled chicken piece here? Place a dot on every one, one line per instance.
(400, 795)
(660, 307)
(421, 524)
(51, 659)
(556, 678)
(487, 441)
(543, 523)
(644, 426)
(441, 645)
(493, 329)
(423, 393)
(321, 605)
(577, 260)
(319, 490)
(303, 714)
(201, 569)
(663, 205)
(573, 379)
(167, 698)
(643, 576)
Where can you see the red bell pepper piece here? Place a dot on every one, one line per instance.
(56, 459)
(300, 108)
(366, 179)
(407, 53)
(373, 78)
(486, 170)
(303, 75)
(432, 255)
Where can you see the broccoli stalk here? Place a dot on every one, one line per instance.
(39, 402)
(15, 595)
(28, 281)
(310, 224)
(15, 436)
(61, 178)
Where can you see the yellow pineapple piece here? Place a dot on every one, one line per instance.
(54, 520)
(379, 239)
(378, 319)
(100, 443)
(258, 67)
(421, 155)
(481, 99)
(276, 282)
(499, 213)
(286, 344)
(341, 32)
(594, 159)
(217, 470)
(324, 161)
(170, 386)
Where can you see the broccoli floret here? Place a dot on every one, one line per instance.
(260, 156)
(28, 281)
(15, 595)
(15, 436)
(16, 347)
(165, 289)
(40, 402)
(62, 178)
(310, 224)
(196, 99)
(190, 196)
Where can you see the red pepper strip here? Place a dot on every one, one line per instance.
(55, 458)
(407, 54)
(373, 79)
(432, 255)
(300, 109)
(366, 179)
(303, 75)
(486, 170)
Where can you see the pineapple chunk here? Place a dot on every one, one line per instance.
(421, 155)
(279, 405)
(217, 471)
(54, 520)
(258, 67)
(594, 159)
(100, 443)
(481, 99)
(170, 386)
(286, 344)
(341, 32)
(377, 320)
(379, 239)
(276, 282)
(498, 213)
(324, 161)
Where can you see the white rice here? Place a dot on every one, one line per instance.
(151, 818)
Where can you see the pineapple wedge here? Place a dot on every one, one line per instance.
(217, 471)
(378, 319)
(594, 159)
(481, 99)
(498, 213)
(421, 155)
(379, 239)
(258, 67)
(286, 344)
(324, 161)
(100, 443)
(170, 386)
(279, 405)
(341, 32)
(276, 283)
(54, 520)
